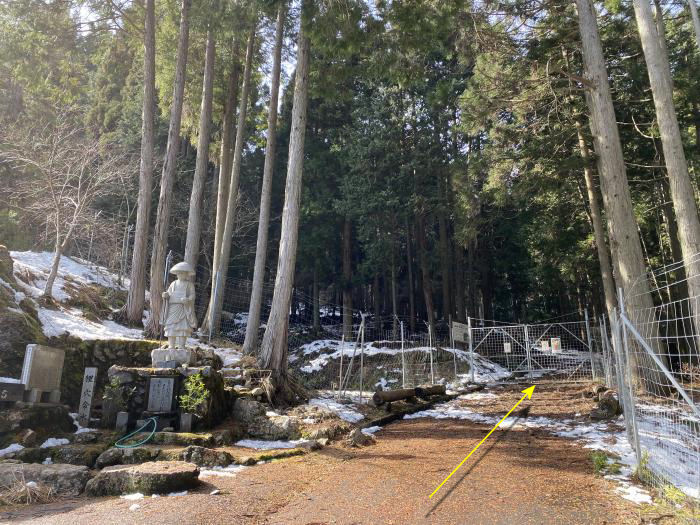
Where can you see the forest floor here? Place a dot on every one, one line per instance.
(520, 475)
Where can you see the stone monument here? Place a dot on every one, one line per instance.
(178, 319)
(41, 373)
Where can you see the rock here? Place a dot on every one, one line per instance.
(27, 438)
(358, 439)
(274, 428)
(257, 392)
(126, 456)
(76, 454)
(157, 477)
(323, 442)
(206, 457)
(247, 461)
(183, 439)
(66, 480)
(86, 437)
(21, 416)
(310, 444)
(593, 391)
(247, 410)
(608, 406)
(223, 437)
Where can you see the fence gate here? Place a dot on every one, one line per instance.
(557, 351)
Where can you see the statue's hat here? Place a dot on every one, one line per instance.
(182, 267)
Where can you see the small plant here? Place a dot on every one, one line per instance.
(643, 474)
(195, 396)
(600, 462)
(117, 395)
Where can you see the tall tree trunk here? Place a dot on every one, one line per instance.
(460, 307)
(411, 293)
(425, 271)
(216, 301)
(160, 233)
(445, 266)
(682, 193)
(597, 221)
(317, 299)
(347, 279)
(274, 345)
(696, 21)
(625, 244)
(376, 297)
(194, 222)
(256, 297)
(137, 285)
(394, 299)
(228, 136)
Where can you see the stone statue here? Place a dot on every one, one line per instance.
(179, 319)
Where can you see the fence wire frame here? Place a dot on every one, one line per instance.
(657, 373)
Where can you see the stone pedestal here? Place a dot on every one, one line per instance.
(164, 357)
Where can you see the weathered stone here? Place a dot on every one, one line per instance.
(222, 437)
(36, 417)
(67, 480)
(126, 456)
(247, 410)
(247, 461)
(27, 438)
(158, 477)
(310, 444)
(183, 438)
(86, 437)
(275, 427)
(359, 439)
(76, 454)
(206, 457)
(323, 442)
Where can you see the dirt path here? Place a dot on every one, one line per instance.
(519, 476)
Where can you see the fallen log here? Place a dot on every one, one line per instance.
(424, 392)
(388, 396)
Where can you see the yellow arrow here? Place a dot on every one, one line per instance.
(527, 393)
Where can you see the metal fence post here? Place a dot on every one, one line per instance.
(454, 350)
(471, 348)
(627, 370)
(590, 344)
(527, 352)
(430, 349)
(362, 356)
(342, 351)
(403, 359)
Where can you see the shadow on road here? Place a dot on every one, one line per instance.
(493, 443)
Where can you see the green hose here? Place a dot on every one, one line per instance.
(120, 441)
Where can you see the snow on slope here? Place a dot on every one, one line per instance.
(31, 270)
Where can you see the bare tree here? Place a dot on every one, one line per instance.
(256, 296)
(61, 170)
(160, 232)
(137, 285)
(273, 354)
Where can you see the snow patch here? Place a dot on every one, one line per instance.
(226, 472)
(9, 380)
(344, 412)
(260, 444)
(54, 442)
(371, 430)
(72, 322)
(15, 447)
(132, 497)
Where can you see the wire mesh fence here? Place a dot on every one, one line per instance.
(655, 364)
(555, 351)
